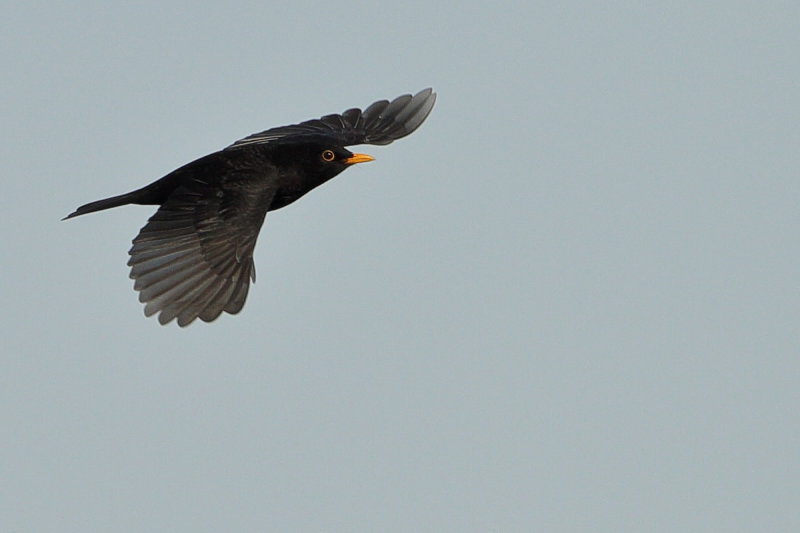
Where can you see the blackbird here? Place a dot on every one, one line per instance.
(194, 257)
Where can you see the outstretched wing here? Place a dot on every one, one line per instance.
(194, 258)
(381, 123)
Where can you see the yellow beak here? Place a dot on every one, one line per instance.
(358, 158)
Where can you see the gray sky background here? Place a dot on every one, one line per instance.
(569, 302)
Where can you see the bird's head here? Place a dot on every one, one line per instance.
(339, 158)
(319, 163)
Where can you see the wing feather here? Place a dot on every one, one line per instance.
(381, 123)
(194, 257)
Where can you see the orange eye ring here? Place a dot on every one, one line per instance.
(328, 155)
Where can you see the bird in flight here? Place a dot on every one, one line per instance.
(194, 257)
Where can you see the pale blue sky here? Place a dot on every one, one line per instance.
(568, 302)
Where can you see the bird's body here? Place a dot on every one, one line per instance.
(194, 257)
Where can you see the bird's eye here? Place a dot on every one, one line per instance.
(328, 155)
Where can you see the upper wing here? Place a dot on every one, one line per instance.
(381, 123)
(194, 258)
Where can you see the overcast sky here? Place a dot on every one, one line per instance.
(568, 302)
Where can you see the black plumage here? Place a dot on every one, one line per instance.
(194, 257)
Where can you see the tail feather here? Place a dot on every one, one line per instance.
(107, 203)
